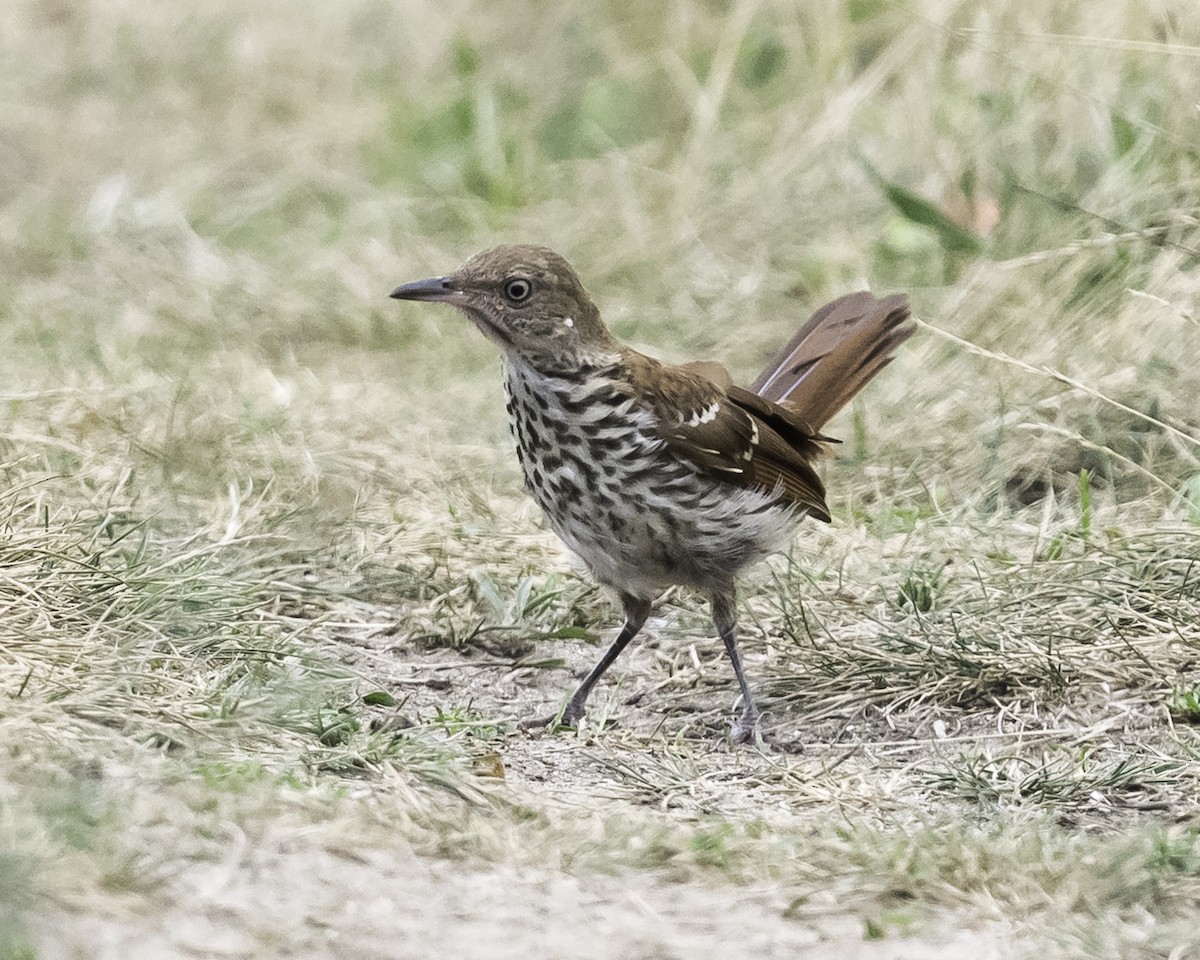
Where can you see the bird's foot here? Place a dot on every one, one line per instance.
(745, 727)
(569, 716)
(553, 721)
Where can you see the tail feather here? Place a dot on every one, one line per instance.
(835, 354)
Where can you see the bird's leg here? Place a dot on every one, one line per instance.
(636, 612)
(724, 614)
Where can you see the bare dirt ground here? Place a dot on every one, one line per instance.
(348, 890)
(300, 895)
(351, 888)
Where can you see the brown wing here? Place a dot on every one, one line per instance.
(731, 434)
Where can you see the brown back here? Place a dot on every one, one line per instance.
(835, 354)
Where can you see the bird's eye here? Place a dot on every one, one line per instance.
(518, 289)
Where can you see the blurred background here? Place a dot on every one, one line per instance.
(204, 207)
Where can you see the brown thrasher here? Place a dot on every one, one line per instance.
(657, 474)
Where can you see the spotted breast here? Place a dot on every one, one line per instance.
(601, 464)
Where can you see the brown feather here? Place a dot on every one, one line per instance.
(731, 435)
(834, 355)
(710, 370)
(767, 437)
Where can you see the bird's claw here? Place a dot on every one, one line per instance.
(745, 728)
(564, 719)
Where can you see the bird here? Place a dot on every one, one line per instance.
(655, 474)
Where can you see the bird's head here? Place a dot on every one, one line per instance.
(528, 300)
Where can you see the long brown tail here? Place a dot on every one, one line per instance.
(835, 354)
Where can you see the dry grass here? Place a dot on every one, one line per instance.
(271, 599)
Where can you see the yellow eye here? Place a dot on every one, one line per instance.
(517, 289)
